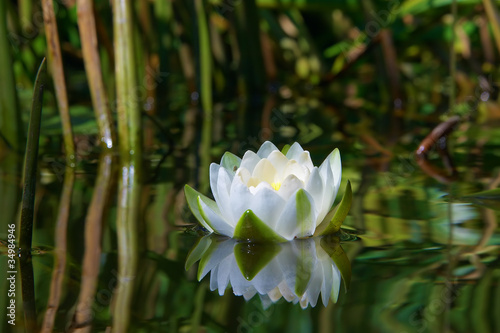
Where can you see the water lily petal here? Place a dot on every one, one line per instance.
(249, 294)
(286, 292)
(217, 252)
(289, 186)
(239, 197)
(249, 161)
(275, 294)
(266, 149)
(294, 152)
(336, 283)
(336, 165)
(213, 278)
(230, 162)
(267, 204)
(223, 201)
(294, 168)
(267, 279)
(244, 175)
(223, 274)
(264, 171)
(214, 179)
(330, 192)
(212, 216)
(326, 283)
(315, 187)
(298, 218)
(314, 286)
(240, 285)
(278, 160)
(304, 159)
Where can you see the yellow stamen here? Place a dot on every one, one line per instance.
(276, 185)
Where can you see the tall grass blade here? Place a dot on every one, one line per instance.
(30, 164)
(27, 210)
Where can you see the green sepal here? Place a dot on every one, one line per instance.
(192, 199)
(197, 251)
(331, 245)
(253, 257)
(230, 162)
(205, 258)
(285, 149)
(304, 268)
(333, 220)
(251, 228)
(303, 207)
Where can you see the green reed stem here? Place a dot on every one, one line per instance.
(30, 164)
(453, 56)
(88, 37)
(26, 15)
(55, 60)
(10, 123)
(129, 133)
(205, 88)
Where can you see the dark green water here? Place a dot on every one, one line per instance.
(423, 258)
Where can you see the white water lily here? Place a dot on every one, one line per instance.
(298, 271)
(271, 195)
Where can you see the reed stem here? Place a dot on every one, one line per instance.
(82, 320)
(10, 121)
(56, 65)
(88, 37)
(494, 19)
(205, 88)
(61, 235)
(129, 133)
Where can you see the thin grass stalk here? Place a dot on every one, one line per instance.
(56, 284)
(205, 88)
(82, 320)
(55, 61)
(10, 121)
(494, 18)
(129, 132)
(88, 37)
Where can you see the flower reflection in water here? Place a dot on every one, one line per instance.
(299, 270)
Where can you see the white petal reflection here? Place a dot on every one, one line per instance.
(298, 271)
